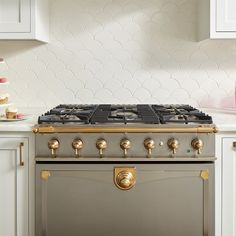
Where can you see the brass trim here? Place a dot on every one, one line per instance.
(125, 177)
(45, 174)
(100, 129)
(21, 154)
(205, 174)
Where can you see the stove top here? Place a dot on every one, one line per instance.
(124, 114)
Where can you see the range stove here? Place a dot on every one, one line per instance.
(110, 131)
(125, 169)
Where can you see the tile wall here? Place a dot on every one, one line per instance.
(121, 51)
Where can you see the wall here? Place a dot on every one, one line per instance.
(121, 51)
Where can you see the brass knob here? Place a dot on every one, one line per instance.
(101, 144)
(173, 145)
(125, 180)
(125, 144)
(53, 145)
(197, 145)
(149, 144)
(77, 145)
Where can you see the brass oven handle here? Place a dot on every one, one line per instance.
(21, 154)
(125, 178)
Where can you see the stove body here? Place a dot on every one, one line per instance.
(125, 169)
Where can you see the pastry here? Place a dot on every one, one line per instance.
(3, 80)
(4, 98)
(11, 113)
(20, 116)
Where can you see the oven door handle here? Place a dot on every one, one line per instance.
(125, 177)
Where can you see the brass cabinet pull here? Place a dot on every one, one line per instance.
(21, 154)
(234, 144)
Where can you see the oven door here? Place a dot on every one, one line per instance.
(125, 199)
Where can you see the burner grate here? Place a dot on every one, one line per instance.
(181, 114)
(68, 114)
(125, 114)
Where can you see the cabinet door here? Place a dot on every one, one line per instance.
(13, 187)
(15, 16)
(225, 15)
(229, 187)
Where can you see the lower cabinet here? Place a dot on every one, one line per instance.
(15, 153)
(228, 186)
(225, 187)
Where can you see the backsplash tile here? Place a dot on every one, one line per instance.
(121, 51)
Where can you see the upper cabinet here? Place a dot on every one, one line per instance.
(216, 19)
(225, 16)
(223, 19)
(24, 19)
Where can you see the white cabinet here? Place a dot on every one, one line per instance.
(225, 185)
(223, 19)
(225, 16)
(24, 19)
(217, 19)
(14, 16)
(228, 187)
(15, 185)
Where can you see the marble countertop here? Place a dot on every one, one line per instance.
(225, 120)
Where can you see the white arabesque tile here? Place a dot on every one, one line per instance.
(126, 51)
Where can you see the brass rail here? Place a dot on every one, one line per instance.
(99, 129)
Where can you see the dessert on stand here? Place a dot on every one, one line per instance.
(7, 112)
(4, 96)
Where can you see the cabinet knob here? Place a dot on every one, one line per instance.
(234, 144)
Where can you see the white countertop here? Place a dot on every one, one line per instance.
(24, 125)
(225, 120)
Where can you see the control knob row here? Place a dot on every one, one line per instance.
(125, 144)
